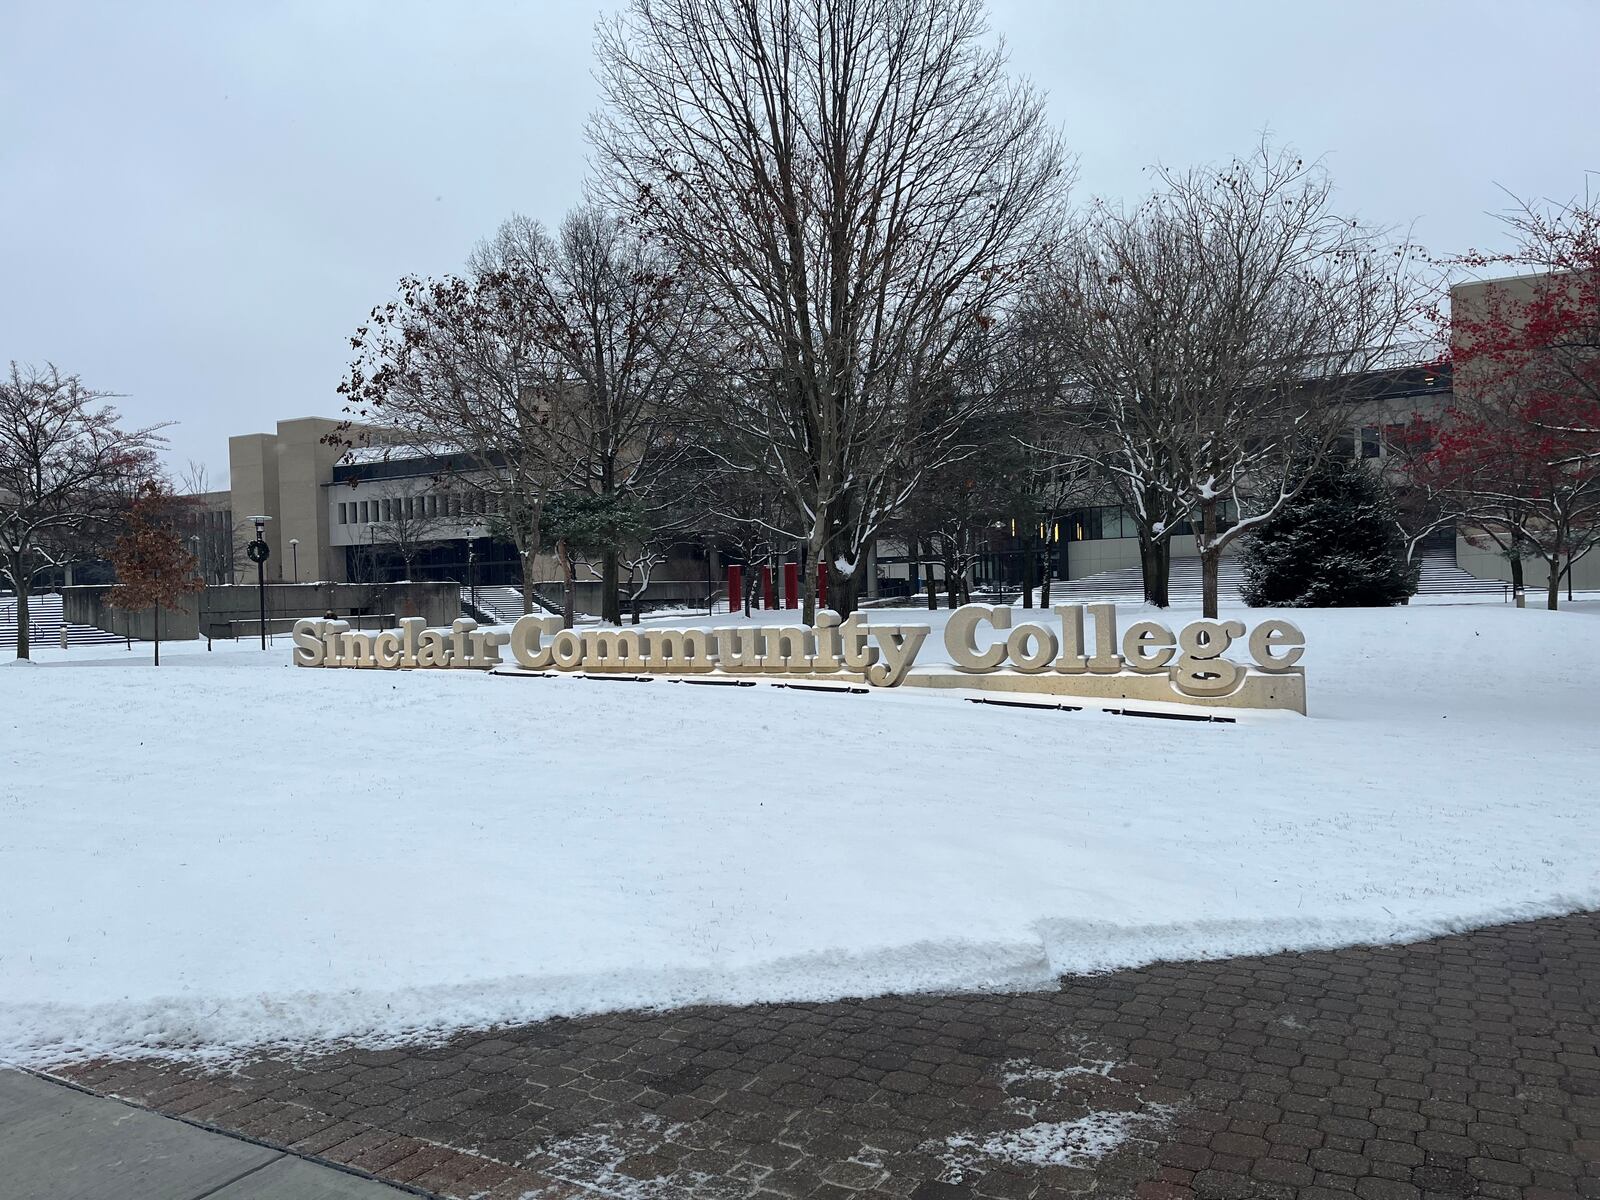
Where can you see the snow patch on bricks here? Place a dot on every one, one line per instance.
(1080, 1142)
(604, 1159)
(1052, 1090)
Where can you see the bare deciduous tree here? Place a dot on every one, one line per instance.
(408, 528)
(1220, 333)
(855, 186)
(217, 544)
(457, 368)
(616, 324)
(66, 466)
(1426, 502)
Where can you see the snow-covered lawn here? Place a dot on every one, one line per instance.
(230, 851)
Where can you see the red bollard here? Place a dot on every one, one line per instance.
(735, 588)
(766, 588)
(791, 585)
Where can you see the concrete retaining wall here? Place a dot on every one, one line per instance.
(232, 610)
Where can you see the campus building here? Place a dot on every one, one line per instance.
(380, 513)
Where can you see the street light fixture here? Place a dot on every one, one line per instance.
(258, 552)
(294, 551)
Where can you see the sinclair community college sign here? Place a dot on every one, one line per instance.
(1078, 651)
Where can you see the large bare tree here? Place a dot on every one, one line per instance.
(1221, 333)
(855, 186)
(617, 326)
(551, 365)
(67, 466)
(457, 368)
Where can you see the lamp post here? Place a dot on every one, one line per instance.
(258, 552)
(294, 551)
(472, 578)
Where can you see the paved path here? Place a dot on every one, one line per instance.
(1465, 1066)
(60, 1144)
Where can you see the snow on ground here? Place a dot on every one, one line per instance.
(229, 851)
(1079, 1142)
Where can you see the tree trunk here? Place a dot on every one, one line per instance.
(1030, 564)
(1553, 601)
(1210, 553)
(1516, 574)
(157, 614)
(525, 562)
(569, 587)
(808, 578)
(844, 591)
(928, 572)
(611, 581)
(1154, 564)
(1049, 569)
(23, 648)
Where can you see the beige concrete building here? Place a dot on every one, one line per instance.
(282, 475)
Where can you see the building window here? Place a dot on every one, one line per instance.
(1103, 521)
(1369, 441)
(1345, 445)
(366, 512)
(343, 513)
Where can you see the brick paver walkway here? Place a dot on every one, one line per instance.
(1465, 1066)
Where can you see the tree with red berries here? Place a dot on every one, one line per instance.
(1522, 448)
(154, 571)
(1426, 501)
(1534, 338)
(1523, 489)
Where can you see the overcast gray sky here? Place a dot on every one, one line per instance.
(200, 201)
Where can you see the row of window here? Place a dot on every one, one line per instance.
(1370, 442)
(434, 504)
(1117, 521)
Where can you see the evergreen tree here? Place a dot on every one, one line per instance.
(1335, 545)
(582, 523)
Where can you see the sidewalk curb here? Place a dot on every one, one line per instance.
(315, 1159)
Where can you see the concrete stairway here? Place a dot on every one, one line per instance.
(500, 605)
(45, 622)
(1439, 577)
(1127, 585)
